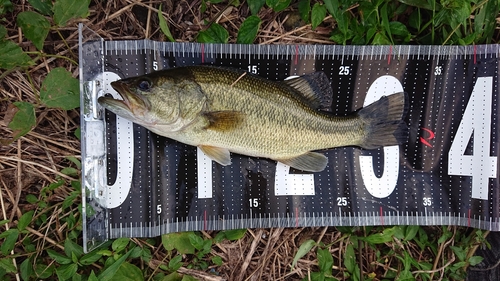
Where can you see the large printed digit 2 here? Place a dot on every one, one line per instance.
(476, 122)
(381, 187)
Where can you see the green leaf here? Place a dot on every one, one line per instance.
(405, 275)
(350, 258)
(214, 34)
(5, 7)
(64, 10)
(278, 5)
(60, 90)
(317, 15)
(75, 160)
(304, 9)
(128, 272)
(460, 252)
(325, 261)
(174, 276)
(35, 27)
(92, 277)
(70, 171)
(207, 246)
(71, 247)
(255, 5)
(26, 269)
(25, 220)
(44, 271)
(66, 271)
(304, 248)
(11, 55)
(385, 22)
(59, 258)
(445, 236)
(411, 231)
(120, 244)
(380, 238)
(43, 6)
(234, 234)
(397, 28)
(196, 241)
(23, 120)
(164, 25)
(76, 277)
(3, 32)
(78, 133)
(189, 278)
(217, 260)
(248, 30)
(380, 39)
(32, 199)
(175, 263)
(485, 21)
(475, 260)
(418, 3)
(332, 6)
(90, 258)
(8, 265)
(109, 273)
(179, 241)
(10, 240)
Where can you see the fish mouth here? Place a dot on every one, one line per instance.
(132, 103)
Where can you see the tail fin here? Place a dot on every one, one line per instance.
(384, 124)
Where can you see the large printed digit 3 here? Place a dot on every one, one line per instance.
(476, 122)
(383, 186)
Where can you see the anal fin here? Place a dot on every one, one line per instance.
(310, 162)
(218, 154)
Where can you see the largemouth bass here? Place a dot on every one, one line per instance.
(223, 110)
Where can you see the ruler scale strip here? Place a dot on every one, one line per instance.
(447, 173)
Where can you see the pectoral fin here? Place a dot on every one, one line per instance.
(310, 161)
(223, 120)
(219, 155)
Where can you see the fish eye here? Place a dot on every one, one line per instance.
(144, 85)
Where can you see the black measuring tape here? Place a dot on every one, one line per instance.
(446, 174)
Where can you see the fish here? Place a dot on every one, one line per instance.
(224, 110)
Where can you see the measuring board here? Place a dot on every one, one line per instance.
(138, 184)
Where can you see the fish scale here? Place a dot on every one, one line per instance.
(138, 184)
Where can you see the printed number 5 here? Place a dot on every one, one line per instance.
(158, 209)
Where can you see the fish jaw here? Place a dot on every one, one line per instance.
(133, 106)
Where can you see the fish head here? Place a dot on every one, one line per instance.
(148, 100)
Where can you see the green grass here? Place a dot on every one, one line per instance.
(39, 174)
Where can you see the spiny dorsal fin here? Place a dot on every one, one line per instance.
(223, 120)
(314, 88)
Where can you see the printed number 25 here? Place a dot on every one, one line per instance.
(344, 70)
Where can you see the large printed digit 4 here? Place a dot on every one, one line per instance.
(476, 123)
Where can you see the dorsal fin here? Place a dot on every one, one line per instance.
(314, 88)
